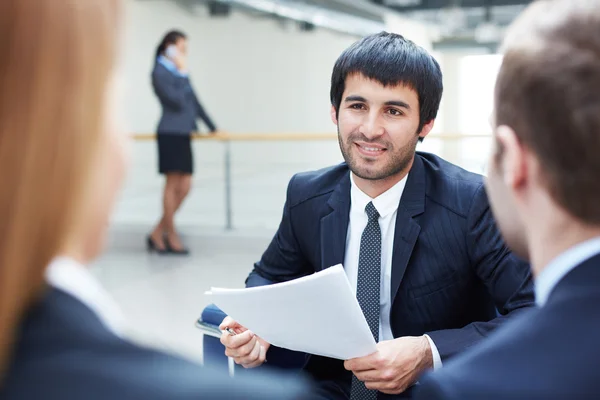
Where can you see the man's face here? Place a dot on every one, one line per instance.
(502, 198)
(377, 127)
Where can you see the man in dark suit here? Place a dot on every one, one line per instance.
(414, 232)
(544, 189)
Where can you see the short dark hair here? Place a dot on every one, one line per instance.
(548, 92)
(170, 37)
(390, 59)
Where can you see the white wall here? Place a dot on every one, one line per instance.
(251, 74)
(477, 79)
(418, 32)
(466, 106)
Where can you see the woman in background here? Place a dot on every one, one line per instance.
(180, 109)
(62, 160)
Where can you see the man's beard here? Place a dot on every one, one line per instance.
(398, 160)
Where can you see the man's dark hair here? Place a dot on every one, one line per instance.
(170, 38)
(391, 60)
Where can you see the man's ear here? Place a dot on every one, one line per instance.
(426, 129)
(514, 157)
(333, 113)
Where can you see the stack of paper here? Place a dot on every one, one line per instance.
(316, 314)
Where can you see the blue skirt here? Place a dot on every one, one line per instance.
(175, 153)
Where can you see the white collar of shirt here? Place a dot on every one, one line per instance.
(561, 266)
(170, 65)
(386, 203)
(75, 279)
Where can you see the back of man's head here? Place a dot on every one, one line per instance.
(548, 92)
(391, 60)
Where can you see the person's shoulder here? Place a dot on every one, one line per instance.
(158, 68)
(159, 71)
(451, 185)
(431, 388)
(185, 380)
(513, 353)
(308, 185)
(530, 353)
(169, 377)
(124, 370)
(444, 172)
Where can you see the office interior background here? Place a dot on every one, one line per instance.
(261, 69)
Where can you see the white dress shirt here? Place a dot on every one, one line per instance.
(76, 280)
(561, 266)
(387, 206)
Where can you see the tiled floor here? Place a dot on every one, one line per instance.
(162, 296)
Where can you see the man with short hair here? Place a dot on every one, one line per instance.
(414, 232)
(544, 187)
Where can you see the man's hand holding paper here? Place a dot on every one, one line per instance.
(395, 366)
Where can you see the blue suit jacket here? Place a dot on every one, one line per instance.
(64, 352)
(451, 271)
(180, 105)
(550, 353)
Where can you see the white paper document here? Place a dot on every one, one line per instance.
(317, 314)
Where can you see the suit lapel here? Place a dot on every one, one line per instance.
(334, 226)
(407, 229)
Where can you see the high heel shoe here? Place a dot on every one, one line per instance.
(171, 250)
(151, 246)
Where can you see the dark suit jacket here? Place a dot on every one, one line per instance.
(550, 353)
(64, 352)
(451, 271)
(180, 105)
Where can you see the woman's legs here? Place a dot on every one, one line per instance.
(174, 154)
(183, 185)
(183, 188)
(170, 204)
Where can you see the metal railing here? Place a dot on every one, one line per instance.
(227, 139)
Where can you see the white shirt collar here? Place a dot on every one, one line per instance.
(561, 266)
(386, 203)
(75, 279)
